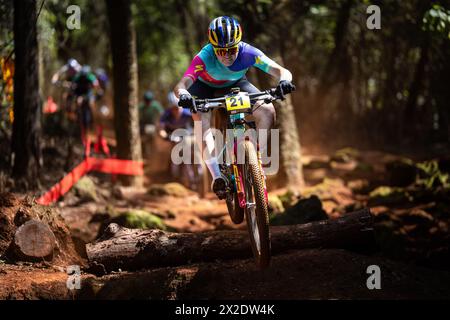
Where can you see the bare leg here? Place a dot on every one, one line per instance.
(265, 118)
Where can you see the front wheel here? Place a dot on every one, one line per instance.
(256, 212)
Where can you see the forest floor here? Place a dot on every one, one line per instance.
(410, 203)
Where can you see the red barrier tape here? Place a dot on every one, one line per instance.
(116, 166)
(112, 166)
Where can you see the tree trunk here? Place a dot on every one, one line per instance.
(291, 167)
(26, 152)
(126, 118)
(131, 249)
(290, 147)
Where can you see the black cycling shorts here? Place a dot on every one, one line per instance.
(201, 90)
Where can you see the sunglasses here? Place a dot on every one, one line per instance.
(226, 51)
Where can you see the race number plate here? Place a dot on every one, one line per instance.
(238, 102)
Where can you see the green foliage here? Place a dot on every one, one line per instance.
(430, 176)
(437, 19)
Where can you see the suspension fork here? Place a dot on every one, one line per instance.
(238, 177)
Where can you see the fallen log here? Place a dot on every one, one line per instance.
(33, 241)
(132, 249)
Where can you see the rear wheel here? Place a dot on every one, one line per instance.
(256, 212)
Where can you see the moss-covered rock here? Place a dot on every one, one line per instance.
(86, 189)
(136, 219)
(304, 211)
(287, 199)
(386, 195)
(141, 219)
(345, 155)
(275, 205)
(169, 189)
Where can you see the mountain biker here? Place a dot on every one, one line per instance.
(178, 118)
(175, 117)
(220, 66)
(67, 73)
(150, 111)
(103, 81)
(84, 85)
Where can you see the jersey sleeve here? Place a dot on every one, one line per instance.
(196, 68)
(260, 60)
(165, 118)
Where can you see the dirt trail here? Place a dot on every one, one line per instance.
(306, 274)
(341, 185)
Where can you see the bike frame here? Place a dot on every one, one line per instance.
(238, 124)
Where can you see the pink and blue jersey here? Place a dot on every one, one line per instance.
(207, 68)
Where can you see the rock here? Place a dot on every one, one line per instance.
(127, 192)
(401, 173)
(287, 199)
(317, 164)
(364, 167)
(169, 189)
(304, 211)
(359, 186)
(348, 165)
(345, 155)
(417, 216)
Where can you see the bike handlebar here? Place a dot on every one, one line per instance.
(203, 105)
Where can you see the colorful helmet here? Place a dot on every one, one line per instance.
(73, 63)
(224, 32)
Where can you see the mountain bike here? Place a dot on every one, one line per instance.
(247, 192)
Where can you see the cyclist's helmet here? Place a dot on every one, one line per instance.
(224, 32)
(73, 64)
(148, 96)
